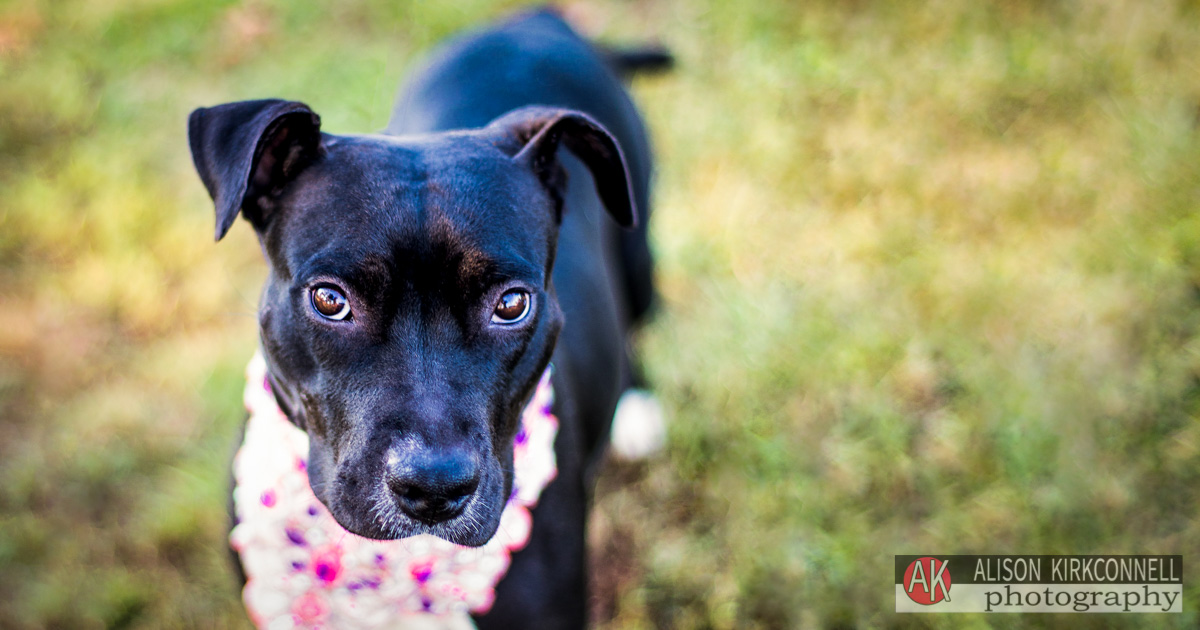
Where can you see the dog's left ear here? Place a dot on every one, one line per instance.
(245, 152)
(532, 136)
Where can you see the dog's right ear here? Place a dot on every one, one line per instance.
(246, 152)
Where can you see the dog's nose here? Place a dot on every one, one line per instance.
(432, 486)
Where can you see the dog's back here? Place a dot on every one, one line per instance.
(533, 59)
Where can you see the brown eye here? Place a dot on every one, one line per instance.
(329, 303)
(512, 307)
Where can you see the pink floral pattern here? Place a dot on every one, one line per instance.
(304, 571)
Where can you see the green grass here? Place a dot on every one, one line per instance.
(930, 278)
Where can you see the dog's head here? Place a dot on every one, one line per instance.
(409, 310)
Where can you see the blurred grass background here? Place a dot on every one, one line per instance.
(930, 277)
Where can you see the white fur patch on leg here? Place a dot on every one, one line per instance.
(639, 428)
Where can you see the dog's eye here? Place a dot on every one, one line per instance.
(512, 307)
(329, 303)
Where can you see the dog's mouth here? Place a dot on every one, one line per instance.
(467, 514)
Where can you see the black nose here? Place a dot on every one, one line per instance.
(432, 486)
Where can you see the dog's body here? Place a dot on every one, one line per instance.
(420, 281)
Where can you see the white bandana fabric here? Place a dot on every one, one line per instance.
(303, 570)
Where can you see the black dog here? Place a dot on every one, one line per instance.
(421, 281)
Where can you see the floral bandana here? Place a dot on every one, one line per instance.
(303, 570)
